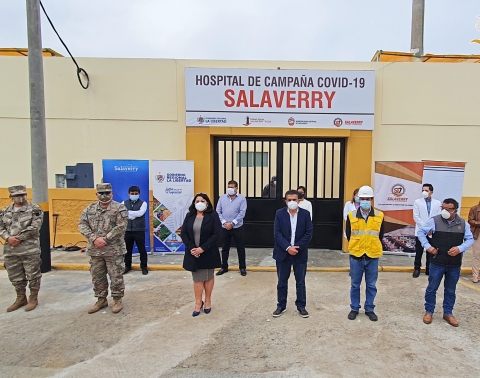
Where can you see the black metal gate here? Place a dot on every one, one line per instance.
(317, 164)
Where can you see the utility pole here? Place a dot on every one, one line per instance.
(418, 17)
(37, 127)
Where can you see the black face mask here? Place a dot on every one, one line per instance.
(301, 196)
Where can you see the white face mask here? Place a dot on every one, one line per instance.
(425, 194)
(200, 206)
(445, 214)
(292, 205)
(231, 191)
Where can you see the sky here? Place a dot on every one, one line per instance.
(298, 30)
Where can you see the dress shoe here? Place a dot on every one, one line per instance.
(371, 315)
(278, 312)
(221, 271)
(416, 273)
(451, 320)
(144, 271)
(352, 315)
(127, 269)
(207, 310)
(303, 313)
(243, 271)
(196, 313)
(427, 318)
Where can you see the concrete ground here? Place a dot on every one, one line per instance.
(156, 336)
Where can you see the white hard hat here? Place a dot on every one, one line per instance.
(365, 191)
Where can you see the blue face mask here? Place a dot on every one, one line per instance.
(134, 197)
(357, 199)
(365, 205)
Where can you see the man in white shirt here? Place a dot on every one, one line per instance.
(135, 229)
(423, 209)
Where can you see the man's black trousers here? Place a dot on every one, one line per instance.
(238, 235)
(419, 254)
(137, 237)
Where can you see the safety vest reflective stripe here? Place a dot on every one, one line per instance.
(359, 232)
(374, 233)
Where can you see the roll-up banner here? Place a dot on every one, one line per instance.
(280, 98)
(123, 174)
(399, 184)
(172, 196)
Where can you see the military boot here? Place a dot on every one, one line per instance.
(19, 302)
(101, 303)
(32, 300)
(117, 305)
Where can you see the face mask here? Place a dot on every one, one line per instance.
(301, 196)
(425, 194)
(445, 214)
(105, 198)
(357, 199)
(200, 206)
(365, 205)
(134, 197)
(231, 191)
(20, 200)
(292, 205)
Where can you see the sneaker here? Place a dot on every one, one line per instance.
(278, 312)
(303, 313)
(352, 315)
(371, 315)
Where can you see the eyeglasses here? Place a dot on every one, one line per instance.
(449, 210)
(103, 193)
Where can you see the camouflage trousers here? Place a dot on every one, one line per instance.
(114, 266)
(22, 270)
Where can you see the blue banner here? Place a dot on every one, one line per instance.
(123, 174)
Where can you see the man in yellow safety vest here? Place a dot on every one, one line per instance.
(364, 230)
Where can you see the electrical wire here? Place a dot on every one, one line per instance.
(79, 69)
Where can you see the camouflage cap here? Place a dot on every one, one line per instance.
(17, 190)
(105, 187)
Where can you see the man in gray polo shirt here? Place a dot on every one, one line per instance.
(231, 209)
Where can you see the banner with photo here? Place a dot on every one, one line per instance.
(280, 98)
(399, 184)
(172, 196)
(123, 174)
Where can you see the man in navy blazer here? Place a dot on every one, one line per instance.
(292, 231)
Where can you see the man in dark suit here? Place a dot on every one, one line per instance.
(292, 231)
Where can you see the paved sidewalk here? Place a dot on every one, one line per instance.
(256, 257)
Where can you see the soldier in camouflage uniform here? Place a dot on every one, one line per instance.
(20, 228)
(104, 223)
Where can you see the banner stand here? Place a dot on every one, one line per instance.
(125, 173)
(172, 196)
(399, 184)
